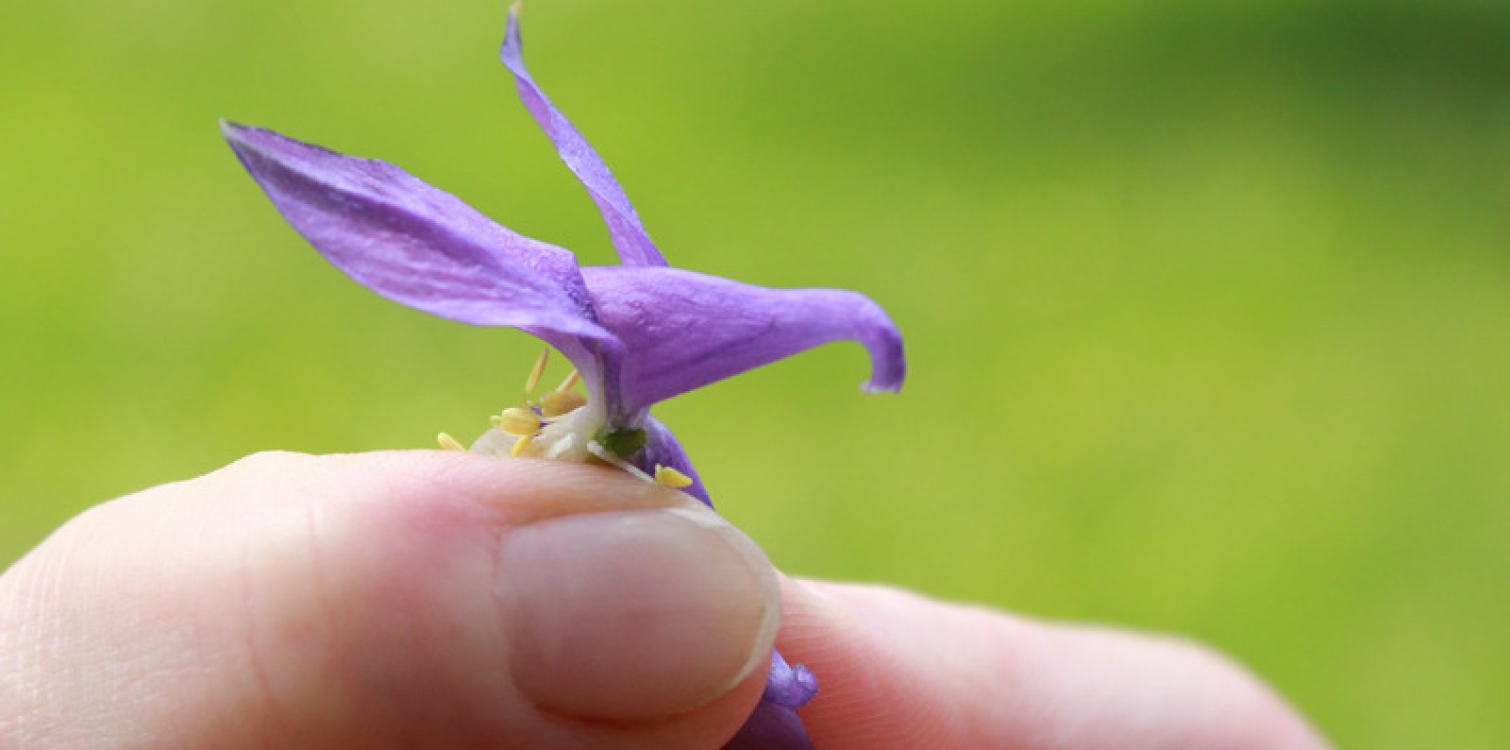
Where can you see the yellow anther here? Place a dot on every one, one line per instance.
(556, 403)
(570, 382)
(448, 443)
(518, 422)
(533, 381)
(519, 446)
(666, 476)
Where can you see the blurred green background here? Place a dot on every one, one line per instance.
(1207, 304)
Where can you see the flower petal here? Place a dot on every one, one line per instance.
(683, 330)
(418, 245)
(789, 686)
(771, 727)
(629, 238)
(775, 725)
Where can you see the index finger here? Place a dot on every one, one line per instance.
(900, 672)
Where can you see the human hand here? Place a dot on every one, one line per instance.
(432, 599)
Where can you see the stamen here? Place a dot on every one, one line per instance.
(533, 381)
(603, 454)
(518, 422)
(570, 382)
(559, 402)
(449, 443)
(519, 446)
(666, 476)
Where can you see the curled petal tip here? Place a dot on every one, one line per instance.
(684, 330)
(888, 361)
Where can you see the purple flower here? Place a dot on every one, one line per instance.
(638, 333)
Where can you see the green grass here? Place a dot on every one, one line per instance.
(1208, 308)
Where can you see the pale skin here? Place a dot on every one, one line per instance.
(440, 599)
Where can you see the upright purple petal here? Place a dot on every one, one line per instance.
(629, 238)
(418, 245)
(682, 330)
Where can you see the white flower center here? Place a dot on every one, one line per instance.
(564, 426)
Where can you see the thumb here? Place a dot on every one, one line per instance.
(417, 599)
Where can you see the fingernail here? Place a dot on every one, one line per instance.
(634, 615)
